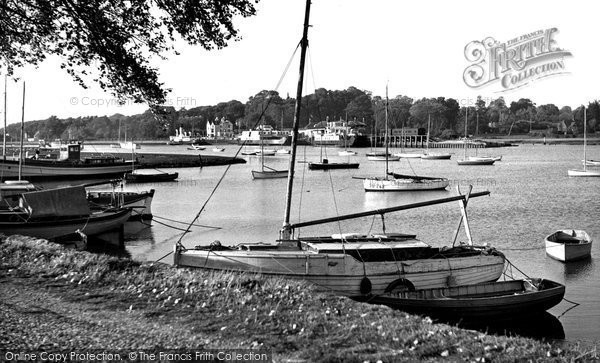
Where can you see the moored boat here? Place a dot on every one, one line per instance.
(148, 177)
(140, 203)
(350, 264)
(326, 165)
(476, 160)
(58, 212)
(585, 172)
(492, 300)
(568, 245)
(68, 165)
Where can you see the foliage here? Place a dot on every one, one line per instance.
(113, 42)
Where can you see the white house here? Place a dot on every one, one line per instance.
(219, 129)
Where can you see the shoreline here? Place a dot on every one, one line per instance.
(57, 299)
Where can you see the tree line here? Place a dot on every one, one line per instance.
(447, 116)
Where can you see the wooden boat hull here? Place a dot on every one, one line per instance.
(269, 174)
(382, 158)
(584, 173)
(150, 178)
(344, 274)
(47, 169)
(328, 166)
(565, 247)
(436, 156)
(399, 185)
(474, 302)
(139, 203)
(408, 155)
(478, 161)
(96, 223)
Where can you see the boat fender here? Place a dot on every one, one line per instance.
(365, 286)
(400, 285)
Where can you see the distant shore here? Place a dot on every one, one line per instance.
(56, 299)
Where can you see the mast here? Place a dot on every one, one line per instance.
(466, 120)
(584, 139)
(385, 137)
(22, 134)
(428, 127)
(286, 230)
(4, 143)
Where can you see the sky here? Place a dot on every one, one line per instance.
(417, 48)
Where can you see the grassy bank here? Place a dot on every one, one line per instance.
(63, 299)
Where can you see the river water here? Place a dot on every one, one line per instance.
(531, 197)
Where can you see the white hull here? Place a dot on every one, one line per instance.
(383, 158)
(408, 155)
(399, 185)
(591, 162)
(343, 274)
(346, 153)
(269, 174)
(129, 145)
(565, 252)
(436, 156)
(584, 173)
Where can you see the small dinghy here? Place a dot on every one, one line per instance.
(569, 245)
(503, 299)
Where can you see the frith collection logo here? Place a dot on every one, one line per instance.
(514, 63)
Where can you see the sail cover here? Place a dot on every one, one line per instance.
(59, 202)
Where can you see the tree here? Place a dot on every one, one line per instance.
(120, 38)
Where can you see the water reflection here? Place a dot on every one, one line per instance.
(541, 326)
(577, 270)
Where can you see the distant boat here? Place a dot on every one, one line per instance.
(490, 300)
(347, 153)
(58, 212)
(568, 245)
(431, 155)
(591, 162)
(324, 164)
(68, 165)
(196, 147)
(399, 182)
(140, 203)
(265, 171)
(381, 156)
(138, 177)
(406, 155)
(585, 172)
(218, 149)
(266, 152)
(473, 160)
(181, 138)
(283, 151)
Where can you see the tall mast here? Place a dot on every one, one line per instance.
(4, 143)
(428, 127)
(22, 134)
(385, 137)
(286, 230)
(584, 139)
(466, 120)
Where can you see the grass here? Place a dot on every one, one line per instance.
(224, 310)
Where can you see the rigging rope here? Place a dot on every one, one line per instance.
(269, 100)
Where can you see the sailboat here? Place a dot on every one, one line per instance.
(350, 264)
(346, 152)
(324, 164)
(429, 155)
(404, 154)
(473, 160)
(135, 176)
(265, 171)
(127, 144)
(585, 172)
(401, 182)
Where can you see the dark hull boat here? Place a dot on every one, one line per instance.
(59, 212)
(326, 165)
(498, 300)
(140, 203)
(150, 177)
